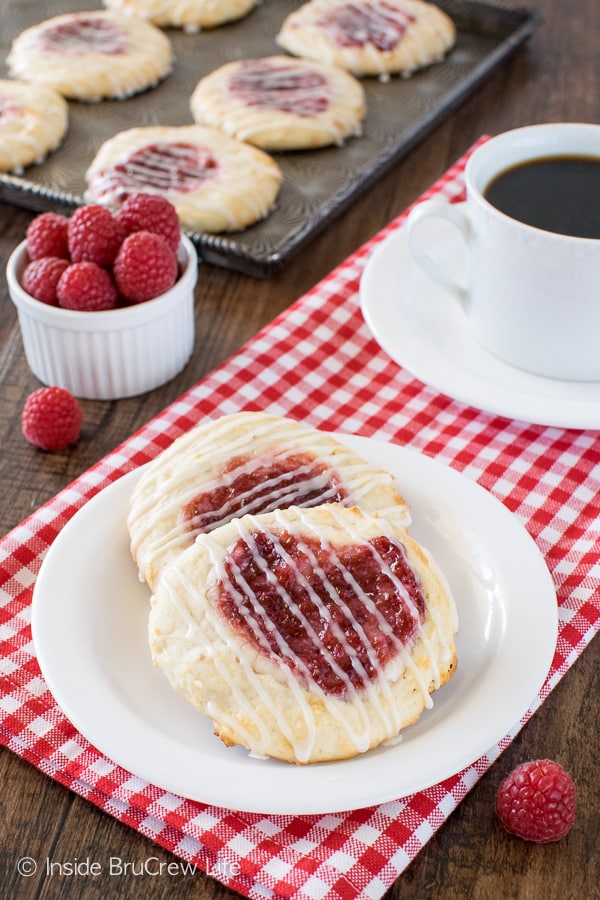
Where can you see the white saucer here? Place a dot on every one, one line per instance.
(425, 330)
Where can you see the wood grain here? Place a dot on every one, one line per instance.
(554, 78)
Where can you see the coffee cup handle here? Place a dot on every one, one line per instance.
(437, 208)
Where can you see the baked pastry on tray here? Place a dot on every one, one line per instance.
(248, 462)
(33, 122)
(369, 37)
(280, 103)
(191, 15)
(92, 55)
(215, 182)
(305, 634)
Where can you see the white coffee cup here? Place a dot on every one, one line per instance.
(532, 297)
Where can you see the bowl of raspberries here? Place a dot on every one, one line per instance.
(106, 299)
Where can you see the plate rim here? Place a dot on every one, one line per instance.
(570, 412)
(331, 778)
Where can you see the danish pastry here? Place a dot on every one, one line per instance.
(33, 122)
(369, 37)
(280, 103)
(248, 462)
(92, 55)
(191, 15)
(305, 634)
(215, 182)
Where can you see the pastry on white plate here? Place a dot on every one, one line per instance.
(281, 103)
(33, 122)
(92, 55)
(307, 635)
(191, 15)
(369, 37)
(247, 462)
(215, 182)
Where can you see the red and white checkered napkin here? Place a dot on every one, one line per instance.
(318, 363)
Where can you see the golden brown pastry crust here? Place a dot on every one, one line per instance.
(282, 104)
(231, 185)
(195, 463)
(191, 15)
(92, 55)
(33, 122)
(406, 34)
(253, 697)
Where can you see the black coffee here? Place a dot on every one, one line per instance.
(554, 193)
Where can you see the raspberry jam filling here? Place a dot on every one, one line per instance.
(8, 110)
(335, 617)
(253, 486)
(84, 35)
(380, 24)
(165, 167)
(283, 88)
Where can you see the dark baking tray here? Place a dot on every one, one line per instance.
(317, 184)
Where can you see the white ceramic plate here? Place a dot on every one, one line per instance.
(424, 329)
(89, 625)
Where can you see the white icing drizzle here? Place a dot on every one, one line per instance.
(447, 647)
(255, 617)
(417, 34)
(359, 740)
(83, 35)
(178, 488)
(241, 189)
(369, 18)
(382, 682)
(33, 121)
(191, 15)
(403, 654)
(302, 746)
(269, 85)
(135, 55)
(280, 103)
(195, 635)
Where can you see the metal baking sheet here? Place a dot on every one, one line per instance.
(317, 184)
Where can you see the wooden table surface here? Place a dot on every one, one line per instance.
(555, 77)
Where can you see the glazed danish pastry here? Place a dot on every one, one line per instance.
(280, 103)
(33, 122)
(369, 37)
(191, 15)
(305, 634)
(248, 462)
(215, 182)
(92, 55)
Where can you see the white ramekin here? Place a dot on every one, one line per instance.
(113, 353)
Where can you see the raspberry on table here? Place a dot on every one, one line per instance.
(150, 212)
(537, 801)
(145, 267)
(51, 418)
(41, 277)
(94, 235)
(47, 235)
(86, 286)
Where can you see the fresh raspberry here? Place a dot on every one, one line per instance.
(150, 212)
(51, 418)
(94, 235)
(145, 267)
(86, 286)
(537, 801)
(47, 236)
(41, 277)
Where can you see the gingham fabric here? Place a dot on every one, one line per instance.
(318, 363)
